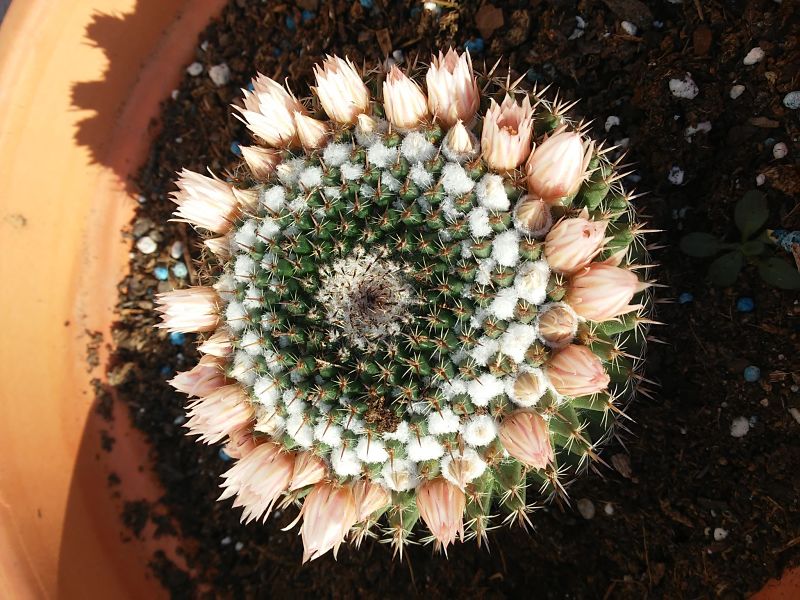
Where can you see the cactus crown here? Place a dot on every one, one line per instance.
(396, 305)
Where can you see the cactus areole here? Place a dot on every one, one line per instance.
(424, 307)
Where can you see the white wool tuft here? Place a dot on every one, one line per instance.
(336, 154)
(480, 430)
(466, 248)
(485, 268)
(355, 425)
(332, 193)
(266, 390)
(236, 315)
(345, 463)
(251, 342)
(269, 421)
(420, 176)
(485, 349)
(253, 298)
(504, 303)
(245, 236)
(477, 319)
(390, 182)
(351, 171)
(273, 364)
(400, 434)
(400, 475)
(443, 421)
(310, 177)
(242, 369)
(299, 431)
(424, 448)
(453, 388)
(288, 171)
(505, 248)
(455, 180)
(293, 404)
(450, 211)
(244, 268)
(328, 433)
(381, 156)
(416, 148)
(484, 388)
(516, 340)
(478, 219)
(269, 228)
(299, 204)
(371, 450)
(226, 286)
(531, 281)
(274, 198)
(491, 193)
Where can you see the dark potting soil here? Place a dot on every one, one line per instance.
(689, 510)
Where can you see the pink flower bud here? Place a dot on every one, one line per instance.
(526, 437)
(441, 506)
(205, 202)
(557, 324)
(370, 497)
(205, 377)
(506, 136)
(261, 161)
(558, 166)
(308, 470)
(573, 243)
(403, 100)
(459, 143)
(219, 246)
(601, 292)
(328, 513)
(532, 216)
(258, 479)
(219, 344)
(311, 132)
(452, 88)
(576, 371)
(269, 112)
(240, 442)
(340, 89)
(224, 410)
(190, 310)
(528, 387)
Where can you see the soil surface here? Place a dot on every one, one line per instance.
(689, 511)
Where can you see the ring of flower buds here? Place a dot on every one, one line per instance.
(381, 278)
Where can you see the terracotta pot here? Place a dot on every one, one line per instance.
(80, 81)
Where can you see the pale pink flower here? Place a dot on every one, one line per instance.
(601, 292)
(328, 513)
(261, 161)
(224, 410)
(403, 100)
(258, 480)
(269, 112)
(190, 310)
(573, 243)
(441, 506)
(525, 436)
(452, 88)
(205, 202)
(219, 246)
(532, 216)
(506, 136)
(340, 89)
(308, 470)
(558, 166)
(576, 371)
(311, 132)
(241, 442)
(370, 497)
(557, 324)
(205, 377)
(219, 344)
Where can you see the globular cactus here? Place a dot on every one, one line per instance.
(414, 312)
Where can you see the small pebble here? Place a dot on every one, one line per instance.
(586, 508)
(745, 304)
(684, 88)
(702, 127)
(611, 121)
(795, 414)
(756, 55)
(291, 25)
(475, 46)
(629, 27)
(225, 541)
(146, 245)
(176, 250)
(675, 175)
(194, 69)
(141, 199)
(432, 7)
(760, 179)
(161, 273)
(367, 3)
(780, 150)
(204, 46)
(220, 74)
(736, 91)
(398, 56)
(166, 371)
(308, 15)
(236, 149)
(179, 270)
(608, 509)
(720, 534)
(174, 94)
(792, 100)
(752, 374)
(179, 420)
(224, 456)
(685, 298)
(176, 338)
(739, 427)
(238, 546)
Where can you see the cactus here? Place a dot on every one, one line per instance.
(411, 316)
